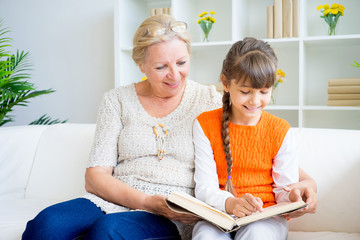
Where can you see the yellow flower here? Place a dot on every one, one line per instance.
(341, 7)
(280, 72)
(334, 11)
(210, 19)
(341, 12)
(335, 5)
(203, 14)
(326, 6)
(327, 11)
(201, 19)
(320, 7)
(143, 78)
(279, 77)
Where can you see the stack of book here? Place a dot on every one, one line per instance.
(159, 11)
(344, 92)
(283, 19)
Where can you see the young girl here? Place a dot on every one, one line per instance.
(244, 156)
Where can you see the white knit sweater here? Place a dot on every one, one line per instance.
(125, 140)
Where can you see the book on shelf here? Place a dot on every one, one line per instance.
(350, 102)
(287, 18)
(184, 203)
(344, 82)
(283, 19)
(270, 21)
(343, 89)
(278, 26)
(159, 11)
(344, 96)
(295, 31)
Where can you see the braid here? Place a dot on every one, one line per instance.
(226, 140)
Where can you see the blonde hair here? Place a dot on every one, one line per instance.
(252, 61)
(142, 40)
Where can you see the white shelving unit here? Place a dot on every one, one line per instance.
(309, 60)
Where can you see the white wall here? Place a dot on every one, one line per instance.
(71, 46)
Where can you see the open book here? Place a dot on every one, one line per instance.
(184, 203)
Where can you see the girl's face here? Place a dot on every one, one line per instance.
(166, 66)
(247, 103)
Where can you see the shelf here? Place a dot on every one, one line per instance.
(326, 41)
(331, 108)
(281, 107)
(309, 60)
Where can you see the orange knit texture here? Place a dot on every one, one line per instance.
(253, 149)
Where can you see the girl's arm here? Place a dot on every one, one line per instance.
(286, 167)
(206, 178)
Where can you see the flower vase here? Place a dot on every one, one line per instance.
(274, 95)
(205, 32)
(332, 24)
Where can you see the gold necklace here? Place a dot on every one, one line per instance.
(160, 140)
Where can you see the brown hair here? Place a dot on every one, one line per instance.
(142, 40)
(252, 61)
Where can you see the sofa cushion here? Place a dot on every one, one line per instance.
(60, 162)
(16, 213)
(17, 151)
(332, 158)
(323, 236)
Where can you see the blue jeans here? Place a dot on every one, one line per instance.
(82, 219)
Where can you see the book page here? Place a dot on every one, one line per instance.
(202, 210)
(277, 209)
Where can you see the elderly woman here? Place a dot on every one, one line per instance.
(143, 149)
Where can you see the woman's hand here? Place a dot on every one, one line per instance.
(302, 191)
(157, 204)
(244, 206)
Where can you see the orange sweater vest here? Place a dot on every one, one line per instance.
(253, 149)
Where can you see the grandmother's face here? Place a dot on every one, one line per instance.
(166, 66)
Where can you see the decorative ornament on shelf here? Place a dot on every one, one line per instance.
(280, 77)
(331, 15)
(206, 21)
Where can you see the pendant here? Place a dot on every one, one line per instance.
(160, 137)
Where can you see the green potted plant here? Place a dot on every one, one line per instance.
(356, 64)
(15, 89)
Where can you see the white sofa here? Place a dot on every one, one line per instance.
(42, 165)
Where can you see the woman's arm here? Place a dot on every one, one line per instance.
(306, 190)
(99, 181)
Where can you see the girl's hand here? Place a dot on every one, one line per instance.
(244, 206)
(157, 204)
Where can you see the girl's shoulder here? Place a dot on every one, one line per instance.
(211, 114)
(275, 122)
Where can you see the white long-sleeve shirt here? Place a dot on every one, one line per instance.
(285, 169)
